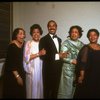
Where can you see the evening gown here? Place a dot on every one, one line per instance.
(14, 61)
(33, 68)
(66, 87)
(89, 61)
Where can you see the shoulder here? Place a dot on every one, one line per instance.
(85, 47)
(59, 39)
(12, 45)
(66, 41)
(45, 38)
(28, 43)
(81, 42)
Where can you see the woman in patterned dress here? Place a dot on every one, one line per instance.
(72, 45)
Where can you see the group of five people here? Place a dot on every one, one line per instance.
(47, 68)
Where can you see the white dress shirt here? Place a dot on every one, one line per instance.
(57, 46)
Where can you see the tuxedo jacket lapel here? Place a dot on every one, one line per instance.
(52, 42)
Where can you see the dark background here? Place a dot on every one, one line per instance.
(5, 27)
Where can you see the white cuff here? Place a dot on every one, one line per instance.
(57, 57)
(71, 60)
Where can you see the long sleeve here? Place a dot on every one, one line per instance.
(82, 57)
(82, 60)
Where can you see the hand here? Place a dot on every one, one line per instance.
(80, 79)
(74, 61)
(42, 52)
(63, 54)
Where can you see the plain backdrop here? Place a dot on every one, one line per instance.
(66, 14)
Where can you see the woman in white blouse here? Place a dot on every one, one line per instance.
(33, 64)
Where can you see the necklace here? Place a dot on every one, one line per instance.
(95, 46)
(19, 44)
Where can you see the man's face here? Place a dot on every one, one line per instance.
(52, 27)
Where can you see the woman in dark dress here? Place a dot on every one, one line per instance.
(88, 68)
(14, 75)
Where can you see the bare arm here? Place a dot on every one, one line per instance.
(81, 77)
(40, 53)
(18, 77)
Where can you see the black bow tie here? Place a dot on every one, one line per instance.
(54, 36)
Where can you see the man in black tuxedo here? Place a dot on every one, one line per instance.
(52, 63)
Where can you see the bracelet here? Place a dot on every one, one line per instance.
(17, 76)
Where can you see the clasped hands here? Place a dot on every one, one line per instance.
(63, 54)
(42, 52)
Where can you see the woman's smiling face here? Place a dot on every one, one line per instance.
(74, 35)
(36, 34)
(93, 37)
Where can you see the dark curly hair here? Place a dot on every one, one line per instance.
(36, 26)
(78, 28)
(15, 32)
(92, 30)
